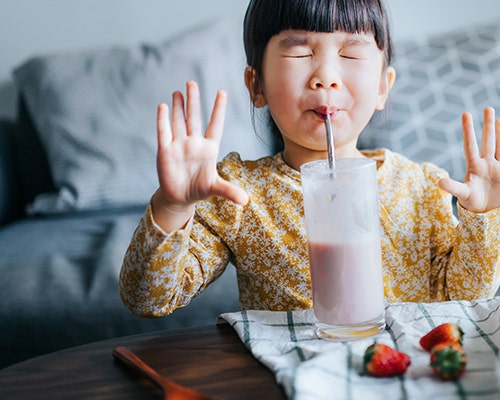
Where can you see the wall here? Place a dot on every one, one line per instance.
(29, 27)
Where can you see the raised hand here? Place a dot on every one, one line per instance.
(187, 159)
(480, 191)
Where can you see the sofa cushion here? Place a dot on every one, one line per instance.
(437, 80)
(59, 284)
(95, 112)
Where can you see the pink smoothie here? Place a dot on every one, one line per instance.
(347, 282)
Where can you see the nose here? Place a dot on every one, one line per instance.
(325, 77)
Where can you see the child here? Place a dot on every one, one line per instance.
(307, 59)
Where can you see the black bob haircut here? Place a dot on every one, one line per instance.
(266, 18)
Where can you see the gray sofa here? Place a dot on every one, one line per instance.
(77, 167)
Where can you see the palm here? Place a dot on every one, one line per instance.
(483, 181)
(480, 191)
(187, 169)
(187, 159)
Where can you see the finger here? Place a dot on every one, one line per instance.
(488, 140)
(458, 189)
(194, 124)
(216, 123)
(178, 115)
(164, 130)
(497, 153)
(230, 191)
(471, 149)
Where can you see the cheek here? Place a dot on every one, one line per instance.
(282, 77)
(280, 92)
(275, 88)
(367, 89)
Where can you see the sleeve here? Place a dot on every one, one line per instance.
(474, 269)
(465, 253)
(162, 272)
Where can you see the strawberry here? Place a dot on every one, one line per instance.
(448, 360)
(381, 360)
(444, 333)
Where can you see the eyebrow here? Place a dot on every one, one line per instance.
(355, 41)
(293, 40)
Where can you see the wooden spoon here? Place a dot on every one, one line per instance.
(171, 390)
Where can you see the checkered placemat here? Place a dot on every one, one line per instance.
(310, 368)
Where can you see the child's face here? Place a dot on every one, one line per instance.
(309, 74)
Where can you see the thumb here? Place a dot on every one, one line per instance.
(230, 191)
(458, 189)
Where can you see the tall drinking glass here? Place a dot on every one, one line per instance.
(343, 232)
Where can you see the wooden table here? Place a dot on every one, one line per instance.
(210, 359)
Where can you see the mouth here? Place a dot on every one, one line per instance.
(324, 111)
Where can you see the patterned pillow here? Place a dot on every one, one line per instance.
(437, 80)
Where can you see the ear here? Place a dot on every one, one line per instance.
(254, 88)
(386, 82)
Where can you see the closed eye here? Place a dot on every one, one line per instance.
(349, 57)
(355, 49)
(295, 46)
(299, 56)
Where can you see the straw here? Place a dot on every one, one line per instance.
(329, 140)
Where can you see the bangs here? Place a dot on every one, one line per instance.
(328, 16)
(351, 16)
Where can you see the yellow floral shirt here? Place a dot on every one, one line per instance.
(427, 255)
